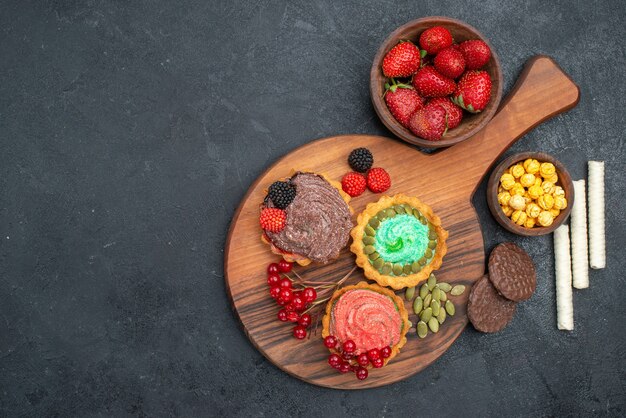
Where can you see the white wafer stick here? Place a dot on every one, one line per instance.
(597, 250)
(562, 264)
(578, 232)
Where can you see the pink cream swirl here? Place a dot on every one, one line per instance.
(368, 318)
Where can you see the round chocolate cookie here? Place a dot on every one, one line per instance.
(512, 272)
(486, 309)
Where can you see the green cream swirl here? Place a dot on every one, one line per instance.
(401, 239)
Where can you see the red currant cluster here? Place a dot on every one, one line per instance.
(294, 302)
(344, 358)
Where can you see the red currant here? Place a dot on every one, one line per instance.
(330, 341)
(273, 269)
(282, 315)
(362, 359)
(275, 291)
(281, 301)
(373, 354)
(344, 367)
(349, 346)
(385, 352)
(273, 280)
(293, 316)
(309, 294)
(285, 283)
(334, 360)
(378, 363)
(298, 302)
(305, 320)
(347, 356)
(286, 294)
(299, 332)
(353, 367)
(285, 266)
(289, 307)
(361, 373)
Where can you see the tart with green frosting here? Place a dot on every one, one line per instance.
(398, 241)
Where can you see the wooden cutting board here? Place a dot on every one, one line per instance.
(445, 180)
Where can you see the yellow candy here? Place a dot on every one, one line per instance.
(535, 192)
(560, 202)
(547, 170)
(527, 180)
(558, 191)
(545, 201)
(553, 178)
(530, 222)
(500, 189)
(554, 212)
(548, 187)
(517, 202)
(503, 198)
(507, 181)
(517, 189)
(533, 210)
(507, 210)
(545, 218)
(519, 217)
(531, 166)
(527, 198)
(517, 170)
(538, 181)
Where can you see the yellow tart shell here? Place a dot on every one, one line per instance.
(362, 260)
(297, 258)
(406, 324)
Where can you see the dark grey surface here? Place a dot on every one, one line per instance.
(130, 132)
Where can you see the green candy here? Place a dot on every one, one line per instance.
(378, 263)
(397, 269)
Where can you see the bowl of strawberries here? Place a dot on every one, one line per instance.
(435, 82)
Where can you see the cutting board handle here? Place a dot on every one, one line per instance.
(542, 91)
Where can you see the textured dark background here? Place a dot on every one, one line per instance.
(130, 130)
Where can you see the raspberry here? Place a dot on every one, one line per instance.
(353, 183)
(378, 180)
(272, 219)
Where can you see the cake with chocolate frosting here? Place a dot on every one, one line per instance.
(316, 218)
(398, 241)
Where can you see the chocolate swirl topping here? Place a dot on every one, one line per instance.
(318, 220)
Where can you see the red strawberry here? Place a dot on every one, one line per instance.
(402, 101)
(473, 91)
(272, 219)
(450, 62)
(429, 122)
(476, 53)
(378, 180)
(403, 60)
(435, 39)
(454, 113)
(430, 83)
(353, 183)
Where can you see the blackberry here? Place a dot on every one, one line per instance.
(361, 160)
(281, 193)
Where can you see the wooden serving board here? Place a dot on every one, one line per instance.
(445, 180)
